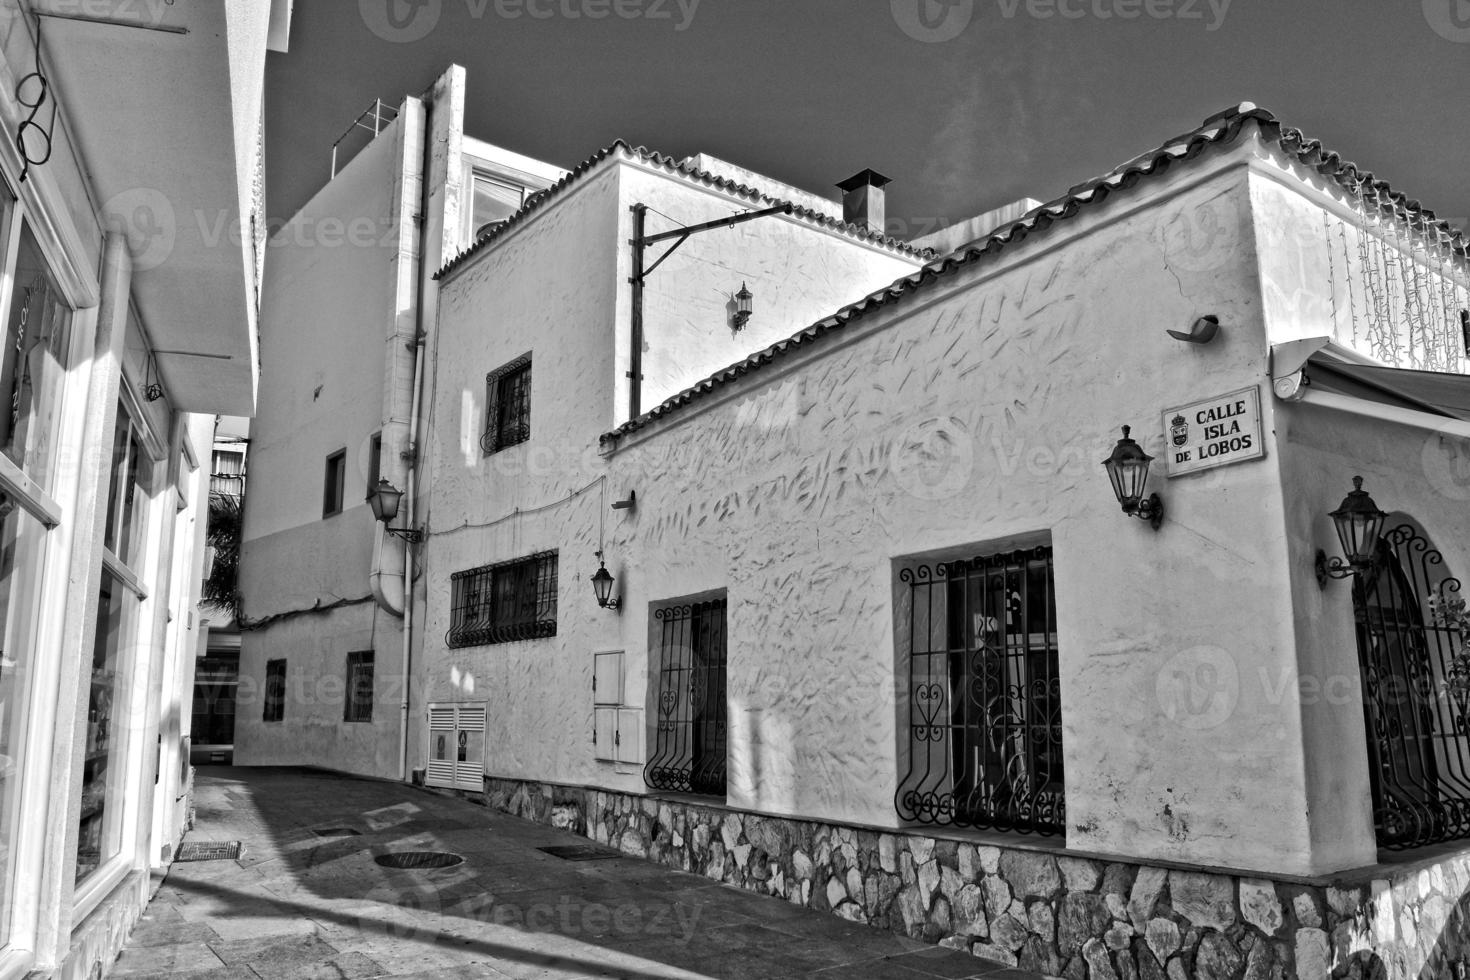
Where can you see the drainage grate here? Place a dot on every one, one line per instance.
(203, 850)
(581, 852)
(337, 832)
(419, 859)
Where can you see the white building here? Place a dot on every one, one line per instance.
(131, 132)
(883, 641)
(880, 640)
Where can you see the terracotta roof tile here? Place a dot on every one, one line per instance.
(1220, 129)
(671, 165)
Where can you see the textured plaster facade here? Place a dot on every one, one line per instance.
(968, 421)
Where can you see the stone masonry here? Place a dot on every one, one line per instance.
(1063, 915)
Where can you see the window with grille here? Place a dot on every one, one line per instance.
(359, 704)
(511, 600)
(508, 406)
(275, 691)
(688, 754)
(984, 700)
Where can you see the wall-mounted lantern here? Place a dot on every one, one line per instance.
(1359, 525)
(383, 500)
(744, 306)
(1128, 470)
(602, 583)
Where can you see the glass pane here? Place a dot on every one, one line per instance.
(100, 830)
(33, 365)
(21, 548)
(495, 200)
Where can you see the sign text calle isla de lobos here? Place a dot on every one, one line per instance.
(1214, 432)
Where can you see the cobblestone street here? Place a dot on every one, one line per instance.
(307, 899)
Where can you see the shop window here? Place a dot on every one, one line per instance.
(127, 491)
(33, 364)
(984, 725)
(512, 600)
(359, 705)
(99, 836)
(334, 482)
(688, 754)
(508, 401)
(275, 691)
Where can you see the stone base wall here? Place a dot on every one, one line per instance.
(97, 941)
(1074, 917)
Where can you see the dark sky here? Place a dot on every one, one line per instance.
(1027, 98)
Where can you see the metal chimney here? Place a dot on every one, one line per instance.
(862, 200)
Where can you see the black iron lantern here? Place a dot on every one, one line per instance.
(383, 501)
(1359, 525)
(744, 306)
(1128, 471)
(602, 583)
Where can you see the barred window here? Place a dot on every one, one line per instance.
(275, 691)
(508, 406)
(511, 600)
(984, 701)
(359, 704)
(690, 738)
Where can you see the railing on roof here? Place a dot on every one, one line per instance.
(375, 118)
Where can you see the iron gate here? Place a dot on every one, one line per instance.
(689, 740)
(1418, 754)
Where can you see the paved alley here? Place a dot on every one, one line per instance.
(307, 899)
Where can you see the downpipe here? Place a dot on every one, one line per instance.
(410, 497)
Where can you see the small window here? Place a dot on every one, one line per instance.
(513, 600)
(495, 200)
(333, 483)
(275, 691)
(689, 750)
(508, 406)
(359, 686)
(129, 481)
(375, 461)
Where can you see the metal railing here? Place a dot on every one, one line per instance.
(375, 118)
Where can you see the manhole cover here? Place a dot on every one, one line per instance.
(419, 859)
(581, 852)
(337, 832)
(208, 851)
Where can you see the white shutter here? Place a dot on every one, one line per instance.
(607, 678)
(630, 736)
(440, 769)
(605, 734)
(469, 770)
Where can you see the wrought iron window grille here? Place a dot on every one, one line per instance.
(1418, 729)
(507, 406)
(690, 737)
(507, 601)
(984, 703)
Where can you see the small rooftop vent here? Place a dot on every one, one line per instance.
(863, 200)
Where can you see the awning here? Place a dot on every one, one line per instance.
(1434, 392)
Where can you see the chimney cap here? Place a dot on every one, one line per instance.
(869, 178)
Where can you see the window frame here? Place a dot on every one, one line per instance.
(334, 483)
(357, 710)
(273, 695)
(495, 436)
(689, 644)
(479, 597)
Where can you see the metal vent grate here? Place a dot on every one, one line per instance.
(581, 852)
(420, 860)
(202, 850)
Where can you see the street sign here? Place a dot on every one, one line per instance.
(1214, 432)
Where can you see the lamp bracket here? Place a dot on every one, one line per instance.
(1333, 567)
(1151, 509)
(630, 504)
(412, 535)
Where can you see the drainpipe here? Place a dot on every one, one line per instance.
(409, 498)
